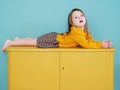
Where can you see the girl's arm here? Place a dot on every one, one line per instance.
(86, 42)
(105, 43)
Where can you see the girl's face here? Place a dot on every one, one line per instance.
(78, 19)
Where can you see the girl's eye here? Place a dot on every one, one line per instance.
(75, 17)
(82, 15)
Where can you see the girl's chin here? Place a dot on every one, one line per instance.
(79, 25)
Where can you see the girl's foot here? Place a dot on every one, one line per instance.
(16, 38)
(7, 44)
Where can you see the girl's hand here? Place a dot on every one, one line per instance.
(106, 44)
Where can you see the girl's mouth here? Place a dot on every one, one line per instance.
(81, 21)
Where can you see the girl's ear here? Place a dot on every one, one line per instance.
(71, 22)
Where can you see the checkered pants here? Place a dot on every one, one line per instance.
(47, 40)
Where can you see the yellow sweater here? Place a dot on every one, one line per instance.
(77, 37)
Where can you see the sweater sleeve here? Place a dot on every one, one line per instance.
(86, 42)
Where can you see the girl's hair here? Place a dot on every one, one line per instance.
(70, 20)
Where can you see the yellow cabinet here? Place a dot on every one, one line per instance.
(31, 68)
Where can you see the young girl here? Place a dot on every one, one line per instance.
(77, 35)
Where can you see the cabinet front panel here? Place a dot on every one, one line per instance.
(33, 70)
(86, 70)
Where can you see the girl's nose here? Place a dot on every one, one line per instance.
(79, 17)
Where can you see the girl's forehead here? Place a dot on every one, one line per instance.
(77, 13)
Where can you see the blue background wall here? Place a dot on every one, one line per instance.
(32, 18)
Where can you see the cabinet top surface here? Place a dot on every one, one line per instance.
(36, 49)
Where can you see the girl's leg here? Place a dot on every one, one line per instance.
(19, 42)
(16, 38)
